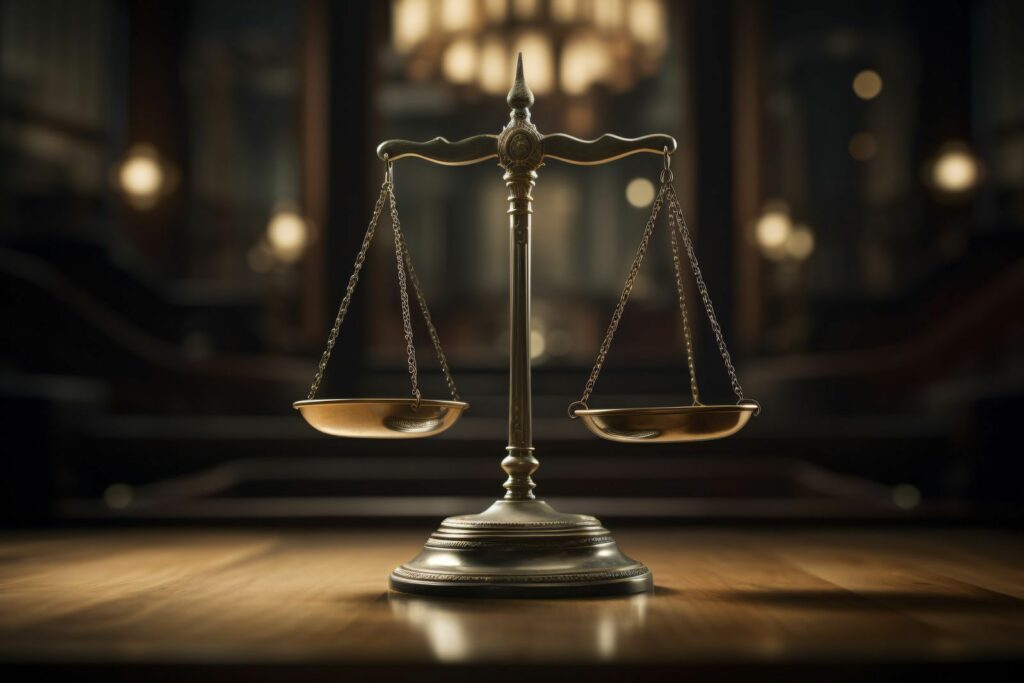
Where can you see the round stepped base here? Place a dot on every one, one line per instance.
(521, 549)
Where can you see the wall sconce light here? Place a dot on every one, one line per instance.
(144, 177)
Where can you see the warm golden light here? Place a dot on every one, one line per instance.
(863, 147)
(141, 176)
(568, 46)
(800, 243)
(640, 192)
(772, 230)
(525, 9)
(495, 10)
(647, 22)
(564, 10)
(867, 84)
(494, 73)
(457, 15)
(538, 61)
(584, 61)
(608, 13)
(955, 171)
(410, 24)
(287, 235)
(459, 61)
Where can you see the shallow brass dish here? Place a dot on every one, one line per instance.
(380, 418)
(667, 424)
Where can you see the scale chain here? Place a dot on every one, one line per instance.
(690, 363)
(353, 280)
(677, 223)
(405, 268)
(677, 212)
(627, 289)
(441, 359)
(403, 290)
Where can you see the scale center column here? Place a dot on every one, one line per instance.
(520, 154)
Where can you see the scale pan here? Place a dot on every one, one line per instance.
(667, 424)
(380, 418)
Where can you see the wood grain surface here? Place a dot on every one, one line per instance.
(735, 596)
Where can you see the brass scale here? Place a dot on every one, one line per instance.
(521, 546)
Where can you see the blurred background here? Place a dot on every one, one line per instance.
(184, 187)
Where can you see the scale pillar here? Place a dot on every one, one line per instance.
(520, 154)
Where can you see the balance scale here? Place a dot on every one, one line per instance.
(521, 546)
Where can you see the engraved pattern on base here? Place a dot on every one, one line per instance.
(576, 577)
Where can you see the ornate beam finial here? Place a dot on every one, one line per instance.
(519, 97)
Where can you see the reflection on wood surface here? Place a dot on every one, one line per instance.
(724, 595)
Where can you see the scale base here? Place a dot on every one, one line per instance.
(521, 549)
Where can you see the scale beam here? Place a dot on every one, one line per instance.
(603, 149)
(442, 151)
(558, 146)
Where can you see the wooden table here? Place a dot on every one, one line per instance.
(836, 602)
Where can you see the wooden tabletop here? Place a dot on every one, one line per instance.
(724, 597)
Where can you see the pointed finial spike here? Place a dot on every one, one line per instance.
(519, 97)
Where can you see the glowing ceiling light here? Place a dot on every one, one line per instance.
(584, 62)
(538, 60)
(583, 42)
(493, 73)
(608, 13)
(495, 10)
(640, 192)
(867, 84)
(955, 171)
(647, 22)
(459, 62)
(524, 9)
(287, 235)
(457, 15)
(564, 10)
(411, 23)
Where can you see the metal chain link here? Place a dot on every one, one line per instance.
(677, 212)
(441, 359)
(627, 289)
(353, 280)
(677, 224)
(403, 248)
(410, 348)
(690, 363)
(406, 276)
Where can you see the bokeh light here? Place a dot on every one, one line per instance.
(863, 147)
(287, 235)
(772, 230)
(459, 61)
(867, 84)
(141, 176)
(955, 171)
(640, 192)
(800, 243)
